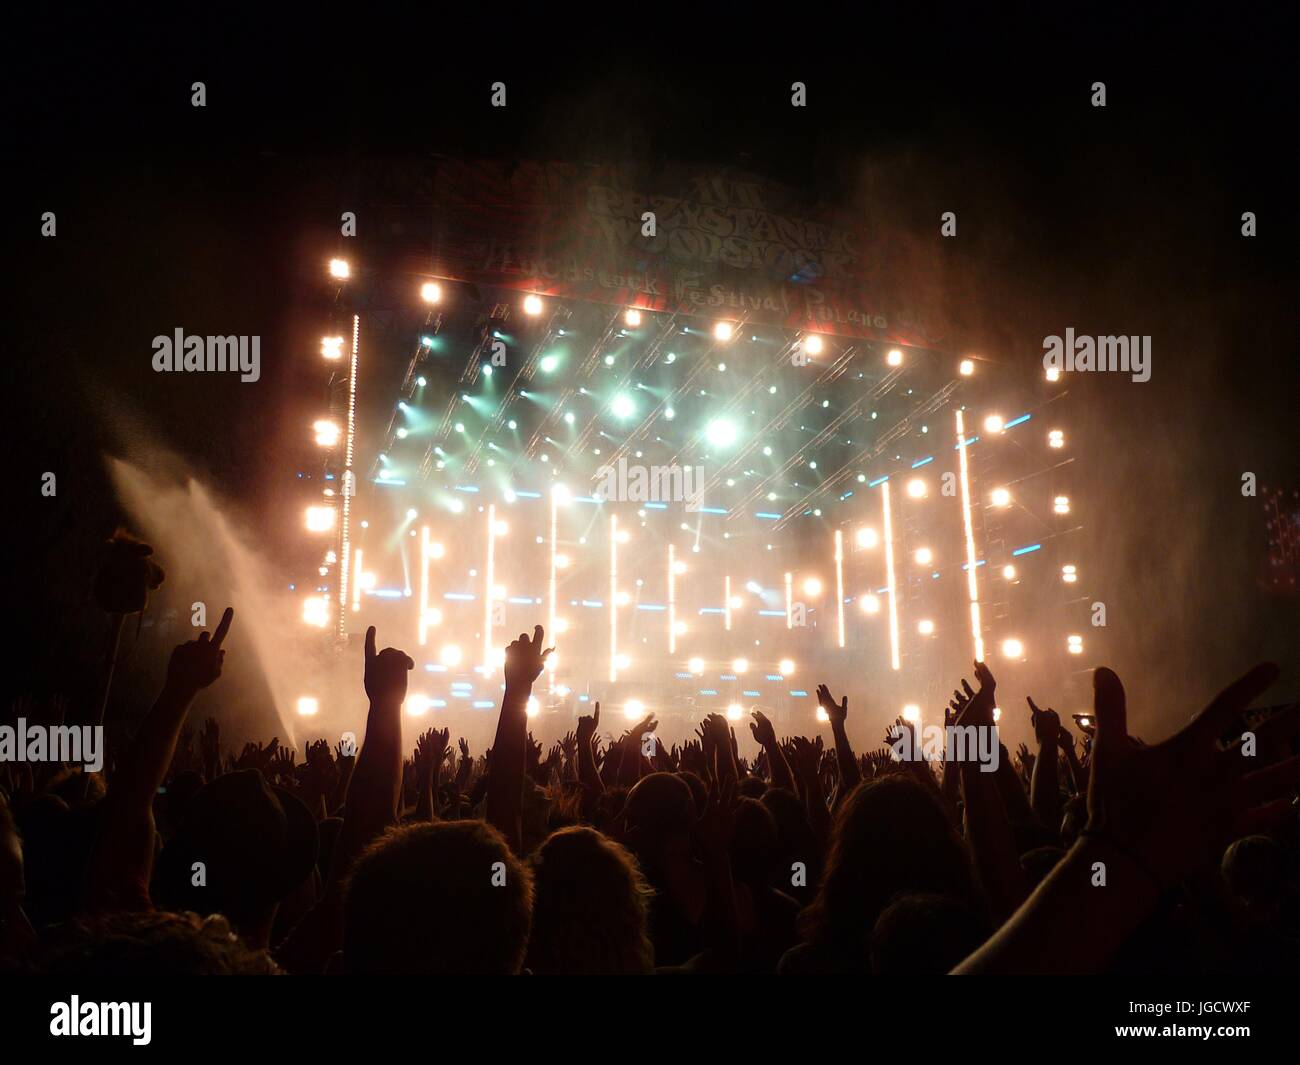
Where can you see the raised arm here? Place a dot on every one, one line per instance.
(765, 734)
(1155, 815)
(123, 859)
(850, 774)
(525, 661)
(1045, 785)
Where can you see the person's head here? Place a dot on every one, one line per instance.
(590, 907)
(699, 793)
(437, 898)
(151, 944)
(660, 814)
(924, 935)
(1255, 870)
(891, 835)
(254, 843)
(752, 787)
(753, 848)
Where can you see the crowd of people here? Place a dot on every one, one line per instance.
(620, 854)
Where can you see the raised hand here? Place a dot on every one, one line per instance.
(837, 712)
(281, 765)
(525, 659)
(1176, 804)
(1047, 725)
(587, 725)
(762, 729)
(385, 676)
(196, 664)
(646, 724)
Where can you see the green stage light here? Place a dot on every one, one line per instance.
(623, 407)
(721, 433)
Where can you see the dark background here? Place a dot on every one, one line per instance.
(1117, 220)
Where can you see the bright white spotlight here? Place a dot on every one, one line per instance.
(320, 519)
(894, 358)
(633, 317)
(532, 708)
(308, 705)
(1056, 438)
(721, 433)
(561, 561)
(1013, 648)
(997, 713)
(679, 567)
(722, 331)
(624, 536)
(1074, 644)
(368, 580)
(734, 712)
(867, 537)
(500, 528)
(450, 655)
(532, 305)
(739, 666)
(1000, 497)
(924, 556)
(696, 665)
(785, 667)
(436, 550)
(1053, 374)
(560, 493)
(966, 368)
(331, 347)
(431, 292)
(623, 407)
(812, 587)
(417, 705)
(993, 423)
(912, 713)
(1069, 573)
(621, 661)
(1009, 572)
(822, 715)
(813, 344)
(925, 627)
(327, 432)
(916, 488)
(316, 611)
(339, 268)
(634, 709)
(1061, 504)
(870, 604)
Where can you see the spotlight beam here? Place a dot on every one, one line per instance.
(890, 580)
(868, 454)
(972, 586)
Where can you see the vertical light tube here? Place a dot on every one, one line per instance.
(356, 581)
(789, 600)
(551, 585)
(972, 585)
(894, 660)
(490, 572)
(672, 599)
(726, 601)
(349, 484)
(613, 597)
(424, 583)
(839, 584)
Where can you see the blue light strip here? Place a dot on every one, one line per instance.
(1026, 550)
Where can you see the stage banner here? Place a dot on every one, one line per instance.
(707, 242)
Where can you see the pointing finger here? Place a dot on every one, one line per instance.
(223, 626)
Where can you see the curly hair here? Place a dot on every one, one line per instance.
(152, 943)
(591, 909)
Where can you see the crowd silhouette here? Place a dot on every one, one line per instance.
(620, 854)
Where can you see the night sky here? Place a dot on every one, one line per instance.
(1124, 219)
